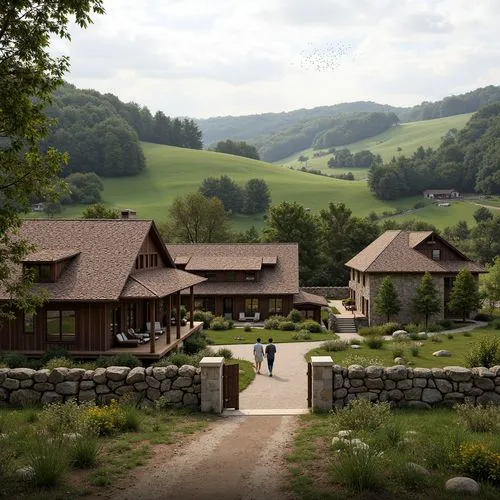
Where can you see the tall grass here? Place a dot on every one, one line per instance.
(84, 450)
(48, 459)
(479, 418)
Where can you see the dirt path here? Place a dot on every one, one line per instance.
(237, 458)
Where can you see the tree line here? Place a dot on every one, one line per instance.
(101, 133)
(466, 160)
(238, 148)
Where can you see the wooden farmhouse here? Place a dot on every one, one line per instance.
(103, 278)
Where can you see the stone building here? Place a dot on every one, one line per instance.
(405, 256)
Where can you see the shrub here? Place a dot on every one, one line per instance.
(62, 417)
(390, 328)
(360, 469)
(124, 359)
(484, 352)
(311, 325)
(294, 316)
(415, 349)
(55, 352)
(219, 323)
(467, 334)
(84, 450)
(162, 403)
(247, 328)
(479, 462)
(370, 330)
(450, 336)
(393, 432)
(445, 323)
(483, 317)
(411, 477)
(176, 358)
(355, 342)
(374, 342)
(437, 339)
(496, 324)
(398, 352)
(225, 353)
(132, 417)
(479, 418)
(48, 459)
(59, 363)
(205, 316)
(15, 360)
(360, 359)
(413, 336)
(362, 414)
(273, 323)
(288, 326)
(335, 345)
(106, 419)
(435, 328)
(413, 328)
(194, 343)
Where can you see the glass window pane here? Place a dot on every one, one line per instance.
(53, 326)
(68, 325)
(29, 323)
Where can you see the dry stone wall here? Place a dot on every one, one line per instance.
(23, 386)
(332, 292)
(416, 387)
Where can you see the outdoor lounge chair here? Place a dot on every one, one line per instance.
(143, 338)
(256, 316)
(158, 328)
(123, 341)
(242, 316)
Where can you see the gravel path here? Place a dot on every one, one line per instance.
(240, 458)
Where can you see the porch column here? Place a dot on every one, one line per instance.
(322, 383)
(169, 318)
(152, 317)
(178, 316)
(191, 312)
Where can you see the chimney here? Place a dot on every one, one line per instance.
(128, 213)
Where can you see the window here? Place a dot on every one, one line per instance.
(364, 279)
(131, 316)
(200, 304)
(211, 276)
(141, 261)
(61, 326)
(275, 305)
(251, 305)
(44, 273)
(250, 277)
(114, 325)
(154, 258)
(436, 254)
(29, 323)
(137, 262)
(230, 276)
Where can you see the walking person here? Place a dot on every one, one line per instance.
(258, 353)
(270, 355)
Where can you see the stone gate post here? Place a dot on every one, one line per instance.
(212, 392)
(322, 382)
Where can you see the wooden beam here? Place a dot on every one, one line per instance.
(169, 319)
(152, 318)
(191, 303)
(178, 316)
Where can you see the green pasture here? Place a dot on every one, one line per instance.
(407, 136)
(458, 344)
(175, 171)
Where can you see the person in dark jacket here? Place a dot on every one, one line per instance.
(270, 355)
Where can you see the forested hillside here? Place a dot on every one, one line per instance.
(276, 133)
(467, 160)
(102, 133)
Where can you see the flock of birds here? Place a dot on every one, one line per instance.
(327, 57)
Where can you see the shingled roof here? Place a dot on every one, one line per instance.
(278, 264)
(101, 257)
(394, 252)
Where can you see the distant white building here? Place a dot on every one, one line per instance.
(441, 194)
(38, 207)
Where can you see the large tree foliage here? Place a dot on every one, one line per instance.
(387, 302)
(225, 189)
(464, 297)
(427, 300)
(490, 285)
(238, 148)
(28, 77)
(256, 196)
(196, 219)
(99, 211)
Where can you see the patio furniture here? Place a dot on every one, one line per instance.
(256, 316)
(183, 321)
(158, 328)
(253, 317)
(242, 316)
(123, 341)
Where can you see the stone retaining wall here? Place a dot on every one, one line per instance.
(332, 292)
(416, 387)
(22, 386)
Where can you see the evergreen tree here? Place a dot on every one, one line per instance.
(464, 297)
(386, 301)
(427, 300)
(491, 283)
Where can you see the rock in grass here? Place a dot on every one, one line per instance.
(443, 353)
(418, 469)
(462, 484)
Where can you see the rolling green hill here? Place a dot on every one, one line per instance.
(175, 171)
(407, 136)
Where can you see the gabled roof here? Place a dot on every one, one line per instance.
(440, 191)
(303, 298)
(52, 255)
(102, 254)
(224, 262)
(394, 252)
(281, 278)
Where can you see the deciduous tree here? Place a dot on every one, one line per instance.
(491, 283)
(99, 211)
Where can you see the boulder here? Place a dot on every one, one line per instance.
(422, 335)
(396, 372)
(374, 371)
(99, 376)
(67, 388)
(374, 383)
(24, 397)
(338, 381)
(11, 383)
(356, 382)
(340, 393)
(51, 397)
(457, 373)
(160, 373)
(395, 395)
(171, 371)
(24, 384)
(355, 346)
(86, 385)
(398, 334)
(141, 386)
(89, 395)
(187, 371)
(165, 385)
(182, 382)
(443, 385)
(153, 394)
(399, 360)
(442, 353)
(117, 373)
(488, 397)
(174, 396)
(418, 469)
(431, 396)
(21, 373)
(135, 375)
(482, 371)
(413, 394)
(43, 387)
(485, 384)
(190, 400)
(58, 375)
(404, 384)
(422, 372)
(356, 371)
(419, 405)
(152, 382)
(75, 374)
(41, 376)
(419, 382)
(462, 485)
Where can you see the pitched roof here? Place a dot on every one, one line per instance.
(309, 298)
(223, 263)
(440, 191)
(52, 255)
(104, 253)
(394, 252)
(282, 278)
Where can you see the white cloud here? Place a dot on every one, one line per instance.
(206, 58)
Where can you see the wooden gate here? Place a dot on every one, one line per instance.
(309, 385)
(231, 386)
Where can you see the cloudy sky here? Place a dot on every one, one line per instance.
(204, 58)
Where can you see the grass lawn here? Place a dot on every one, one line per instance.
(318, 471)
(239, 336)
(119, 454)
(247, 372)
(458, 345)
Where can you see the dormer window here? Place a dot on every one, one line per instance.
(249, 276)
(436, 254)
(42, 272)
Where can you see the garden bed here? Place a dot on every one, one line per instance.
(239, 336)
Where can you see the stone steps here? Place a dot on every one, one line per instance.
(345, 325)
